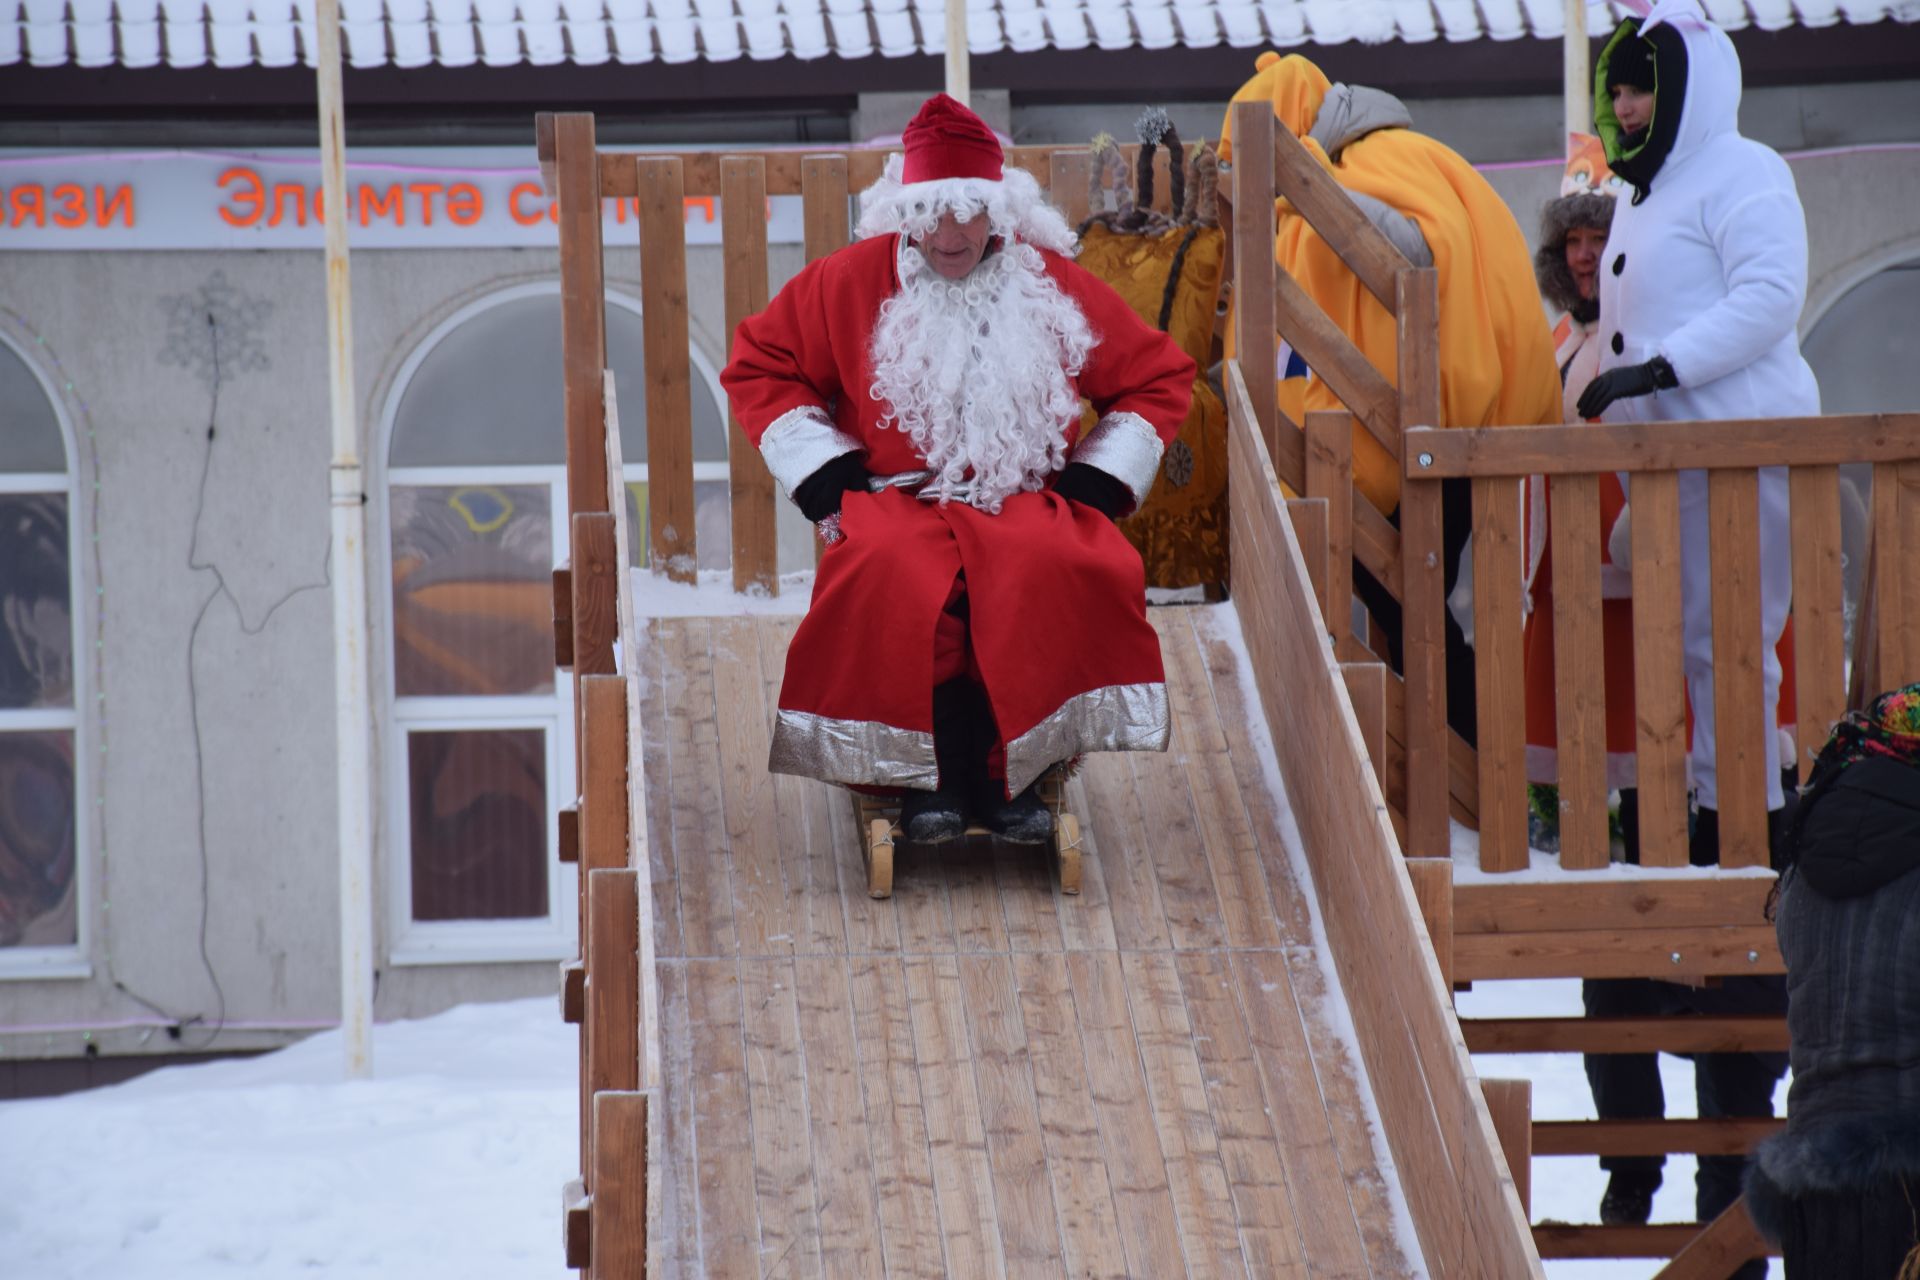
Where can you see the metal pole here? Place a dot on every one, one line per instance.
(352, 718)
(1579, 75)
(958, 86)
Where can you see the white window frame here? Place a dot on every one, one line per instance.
(39, 963)
(554, 936)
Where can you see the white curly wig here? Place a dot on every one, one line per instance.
(1015, 207)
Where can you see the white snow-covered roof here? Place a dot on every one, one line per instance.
(459, 33)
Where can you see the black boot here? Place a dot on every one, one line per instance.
(932, 817)
(940, 815)
(1629, 1198)
(1025, 819)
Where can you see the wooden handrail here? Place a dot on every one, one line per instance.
(1664, 446)
(1332, 213)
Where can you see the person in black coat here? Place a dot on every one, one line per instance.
(1839, 1188)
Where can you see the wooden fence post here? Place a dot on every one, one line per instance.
(1498, 654)
(671, 547)
(1423, 572)
(743, 235)
(583, 301)
(619, 1230)
(1253, 266)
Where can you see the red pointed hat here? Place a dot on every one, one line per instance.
(946, 140)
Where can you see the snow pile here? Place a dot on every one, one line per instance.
(448, 1163)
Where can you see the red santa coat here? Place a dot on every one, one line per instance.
(1056, 595)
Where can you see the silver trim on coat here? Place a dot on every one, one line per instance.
(855, 752)
(801, 441)
(1119, 717)
(1126, 447)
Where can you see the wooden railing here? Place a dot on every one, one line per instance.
(610, 991)
(1460, 1144)
(1887, 644)
(1430, 774)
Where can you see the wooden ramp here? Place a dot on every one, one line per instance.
(982, 1076)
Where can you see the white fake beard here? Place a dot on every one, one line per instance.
(978, 372)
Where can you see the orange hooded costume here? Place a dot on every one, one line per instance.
(1496, 354)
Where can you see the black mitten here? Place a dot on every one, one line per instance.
(1625, 382)
(818, 496)
(1083, 482)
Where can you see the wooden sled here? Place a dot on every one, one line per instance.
(877, 818)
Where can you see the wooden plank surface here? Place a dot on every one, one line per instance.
(1580, 697)
(976, 1080)
(1740, 762)
(1659, 678)
(1730, 950)
(743, 238)
(1067, 183)
(783, 1164)
(1511, 1104)
(1724, 1137)
(613, 981)
(1727, 1242)
(1896, 585)
(1591, 447)
(1611, 902)
(1311, 529)
(1498, 640)
(1462, 1202)
(784, 166)
(824, 209)
(669, 393)
(1335, 360)
(1819, 623)
(1730, 1034)
(1652, 1240)
(618, 1241)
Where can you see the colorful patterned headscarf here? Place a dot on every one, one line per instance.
(1887, 726)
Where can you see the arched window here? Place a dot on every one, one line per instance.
(40, 817)
(475, 501)
(1860, 352)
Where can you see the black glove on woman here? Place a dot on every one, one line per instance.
(818, 496)
(1625, 382)
(1083, 482)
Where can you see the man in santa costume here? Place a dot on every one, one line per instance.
(976, 617)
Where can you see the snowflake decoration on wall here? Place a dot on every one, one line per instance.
(215, 332)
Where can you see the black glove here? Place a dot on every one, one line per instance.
(1626, 381)
(818, 496)
(1083, 482)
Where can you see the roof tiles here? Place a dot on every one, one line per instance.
(501, 33)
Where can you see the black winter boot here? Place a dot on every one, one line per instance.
(1629, 1198)
(935, 817)
(932, 817)
(1021, 820)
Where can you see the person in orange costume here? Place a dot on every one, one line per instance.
(1496, 354)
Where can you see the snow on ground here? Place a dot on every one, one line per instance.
(447, 1165)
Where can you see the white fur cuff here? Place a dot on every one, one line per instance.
(800, 442)
(1126, 447)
